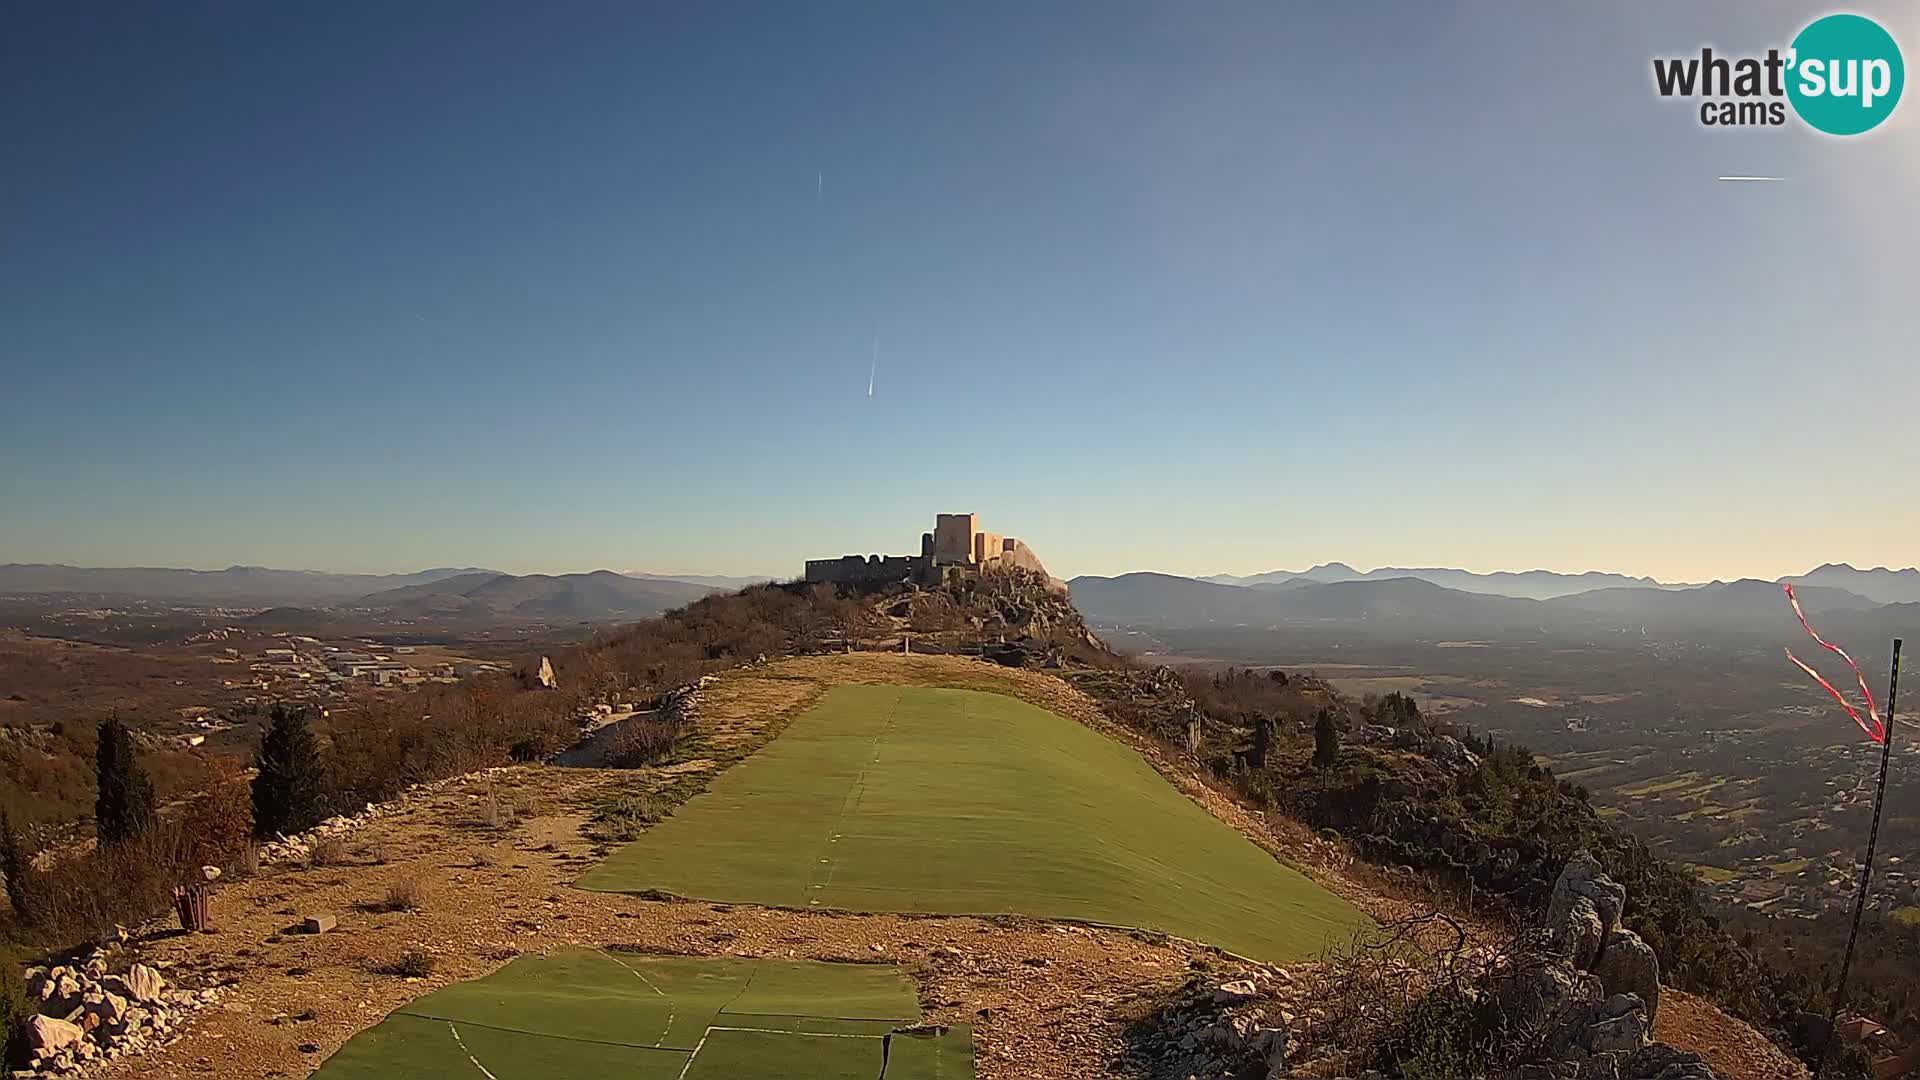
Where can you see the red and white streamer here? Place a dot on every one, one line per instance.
(1878, 732)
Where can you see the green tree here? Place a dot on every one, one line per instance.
(1326, 739)
(13, 863)
(1262, 740)
(289, 791)
(123, 809)
(15, 1011)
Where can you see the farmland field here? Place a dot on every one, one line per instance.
(910, 799)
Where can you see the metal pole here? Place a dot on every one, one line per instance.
(1866, 871)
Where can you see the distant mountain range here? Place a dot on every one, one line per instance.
(1886, 586)
(238, 585)
(602, 594)
(1878, 584)
(718, 581)
(446, 592)
(1417, 606)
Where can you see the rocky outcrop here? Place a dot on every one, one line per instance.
(89, 1015)
(1590, 989)
(539, 676)
(1224, 1025)
(1584, 900)
(1627, 966)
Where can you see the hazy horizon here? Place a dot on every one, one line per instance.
(1180, 289)
(781, 575)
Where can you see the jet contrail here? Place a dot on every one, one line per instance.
(1750, 179)
(873, 366)
(819, 185)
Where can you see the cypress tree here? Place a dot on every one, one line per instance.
(13, 863)
(123, 810)
(1326, 739)
(289, 791)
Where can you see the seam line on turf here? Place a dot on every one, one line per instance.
(672, 1015)
(463, 1049)
(797, 1034)
(858, 789)
(642, 1047)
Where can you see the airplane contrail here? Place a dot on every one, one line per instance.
(819, 185)
(873, 366)
(1750, 179)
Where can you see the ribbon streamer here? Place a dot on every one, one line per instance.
(1878, 732)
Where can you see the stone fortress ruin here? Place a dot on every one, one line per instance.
(956, 545)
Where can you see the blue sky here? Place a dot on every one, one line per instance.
(1195, 288)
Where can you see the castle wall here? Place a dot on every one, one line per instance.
(986, 546)
(953, 537)
(956, 543)
(866, 570)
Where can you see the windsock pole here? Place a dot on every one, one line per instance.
(1866, 872)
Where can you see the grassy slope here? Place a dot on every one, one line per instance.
(889, 798)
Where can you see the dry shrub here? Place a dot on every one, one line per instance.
(405, 894)
(1408, 998)
(219, 822)
(83, 898)
(641, 741)
(622, 818)
(412, 964)
(331, 851)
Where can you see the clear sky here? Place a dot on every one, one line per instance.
(1194, 288)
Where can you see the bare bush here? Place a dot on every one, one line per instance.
(331, 851)
(641, 741)
(622, 818)
(412, 964)
(1410, 997)
(404, 894)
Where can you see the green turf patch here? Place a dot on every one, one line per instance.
(586, 1015)
(944, 1056)
(890, 798)
(775, 1055)
(420, 1048)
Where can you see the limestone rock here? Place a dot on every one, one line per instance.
(1662, 1062)
(1236, 992)
(540, 676)
(1622, 1029)
(1579, 933)
(1627, 965)
(1545, 994)
(46, 1035)
(1582, 877)
(144, 985)
(105, 1007)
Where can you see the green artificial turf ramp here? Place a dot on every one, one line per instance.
(894, 798)
(945, 1056)
(585, 1015)
(772, 1055)
(419, 1048)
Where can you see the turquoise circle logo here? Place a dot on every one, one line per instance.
(1846, 74)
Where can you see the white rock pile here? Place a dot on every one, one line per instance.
(1228, 1025)
(88, 1016)
(299, 846)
